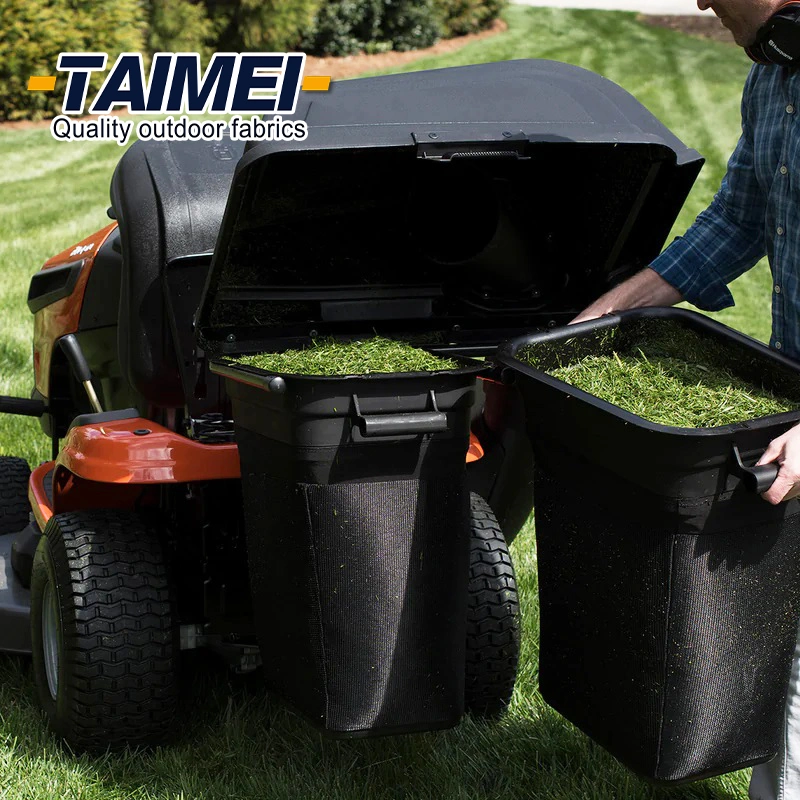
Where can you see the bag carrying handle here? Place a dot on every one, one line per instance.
(755, 479)
(410, 423)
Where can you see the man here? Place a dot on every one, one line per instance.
(755, 213)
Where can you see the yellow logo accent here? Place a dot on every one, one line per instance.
(316, 83)
(41, 83)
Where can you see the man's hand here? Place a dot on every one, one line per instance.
(645, 288)
(785, 450)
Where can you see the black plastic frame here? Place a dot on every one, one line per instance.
(50, 285)
(507, 352)
(650, 537)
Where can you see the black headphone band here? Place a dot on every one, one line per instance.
(778, 39)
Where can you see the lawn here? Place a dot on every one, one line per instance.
(231, 742)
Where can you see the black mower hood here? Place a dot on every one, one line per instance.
(457, 204)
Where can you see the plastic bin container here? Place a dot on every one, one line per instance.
(357, 519)
(669, 590)
(407, 213)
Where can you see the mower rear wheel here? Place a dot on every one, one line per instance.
(104, 632)
(493, 627)
(14, 508)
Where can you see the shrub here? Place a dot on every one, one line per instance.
(343, 27)
(36, 31)
(180, 26)
(460, 17)
(268, 25)
(410, 24)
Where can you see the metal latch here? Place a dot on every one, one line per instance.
(440, 146)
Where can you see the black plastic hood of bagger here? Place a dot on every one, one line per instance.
(548, 100)
(453, 205)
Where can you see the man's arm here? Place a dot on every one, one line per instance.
(648, 288)
(726, 240)
(645, 288)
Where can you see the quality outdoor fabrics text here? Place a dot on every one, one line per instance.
(112, 128)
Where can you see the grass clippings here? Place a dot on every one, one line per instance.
(362, 357)
(665, 374)
(670, 391)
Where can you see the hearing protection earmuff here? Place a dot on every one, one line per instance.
(778, 39)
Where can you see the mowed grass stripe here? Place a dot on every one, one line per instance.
(43, 160)
(22, 255)
(232, 741)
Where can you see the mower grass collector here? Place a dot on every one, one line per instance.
(347, 534)
(323, 457)
(667, 586)
(667, 374)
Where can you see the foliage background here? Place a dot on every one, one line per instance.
(34, 32)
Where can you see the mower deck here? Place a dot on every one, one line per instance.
(15, 604)
(15, 599)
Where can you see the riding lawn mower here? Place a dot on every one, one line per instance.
(347, 536)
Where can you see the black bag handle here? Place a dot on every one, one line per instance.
(755, 479)
(409, 423)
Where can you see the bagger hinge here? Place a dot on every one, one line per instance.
(441, 146)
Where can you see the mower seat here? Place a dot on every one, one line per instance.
(169, 198)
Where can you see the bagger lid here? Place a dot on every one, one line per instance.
(460, 205)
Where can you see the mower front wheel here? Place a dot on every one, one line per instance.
(103, 630)
(493, 626)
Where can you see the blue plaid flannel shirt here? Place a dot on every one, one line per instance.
(755, 213)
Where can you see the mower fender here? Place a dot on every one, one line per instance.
(40, 493)
(109, 464)
(56, 298)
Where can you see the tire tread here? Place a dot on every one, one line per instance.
(119, 649)
(493, 627)
(14, 507)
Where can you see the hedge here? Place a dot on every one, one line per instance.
(343, 27)
(181, 26)
(34, 32)
(460, 17)
(267, 25)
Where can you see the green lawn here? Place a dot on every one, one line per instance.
(231, 743)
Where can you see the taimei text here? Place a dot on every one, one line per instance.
(244, 83)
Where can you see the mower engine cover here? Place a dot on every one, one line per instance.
(458, 206)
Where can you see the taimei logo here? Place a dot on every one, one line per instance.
(232, 83)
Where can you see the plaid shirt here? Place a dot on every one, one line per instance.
(755, 213)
